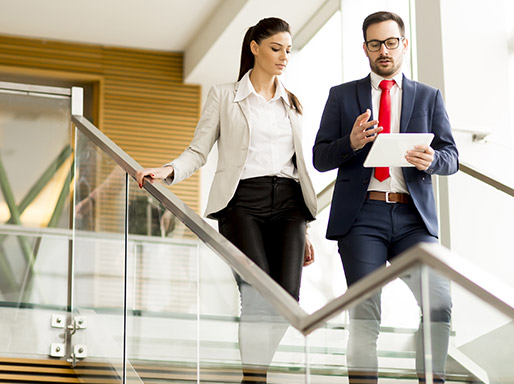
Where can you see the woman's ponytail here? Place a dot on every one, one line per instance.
(247, 59)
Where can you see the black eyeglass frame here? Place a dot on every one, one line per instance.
(397, 39)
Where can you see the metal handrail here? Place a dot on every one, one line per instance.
(431, 255)
(483, 177)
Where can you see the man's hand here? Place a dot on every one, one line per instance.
(361, 133)
(153, 174)
(421, 157)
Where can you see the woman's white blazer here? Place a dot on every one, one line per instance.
(226, 122)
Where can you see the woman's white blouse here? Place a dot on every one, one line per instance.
(271, 147)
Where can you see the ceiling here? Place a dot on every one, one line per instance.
(209, 32)
(166, 25)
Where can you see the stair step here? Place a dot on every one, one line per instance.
(24, 370)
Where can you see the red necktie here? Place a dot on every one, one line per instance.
(384, 121)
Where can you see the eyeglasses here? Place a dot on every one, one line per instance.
(391, 43)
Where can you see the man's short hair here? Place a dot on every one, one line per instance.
(381, 16)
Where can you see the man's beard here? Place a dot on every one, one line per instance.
(384, 72)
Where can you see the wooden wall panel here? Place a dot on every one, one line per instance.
(142, 103)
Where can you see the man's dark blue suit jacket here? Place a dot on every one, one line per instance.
(422, 111)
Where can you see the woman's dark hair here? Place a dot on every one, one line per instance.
(378, 17)
(262, 30)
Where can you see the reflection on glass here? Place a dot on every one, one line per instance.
(188, 311)
(162, 290)
(482, 345)
(219, 314)
(490, 226)
(243, 338)
(261, 329)
(35, 173)
(160, 261)
(364, 329)
(477, 348)
(99, 258)
(34, 160)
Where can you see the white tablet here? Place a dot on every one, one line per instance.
(389, 149)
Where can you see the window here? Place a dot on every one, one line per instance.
(478, 47)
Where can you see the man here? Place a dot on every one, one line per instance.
(377, 214)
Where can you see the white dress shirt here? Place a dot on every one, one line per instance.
(396, 182)
(271, 148)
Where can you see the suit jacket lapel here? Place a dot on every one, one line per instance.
(364, 95)
(245, 107)
(408, 97)
(364, 98)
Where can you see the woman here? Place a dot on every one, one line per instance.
(261, 194)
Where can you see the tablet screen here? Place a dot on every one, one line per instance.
(389, 149)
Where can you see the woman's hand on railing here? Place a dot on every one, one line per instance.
(308, 257)
(153, 174)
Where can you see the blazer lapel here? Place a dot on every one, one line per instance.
(244, 105)
(364, 95)
(408, 97)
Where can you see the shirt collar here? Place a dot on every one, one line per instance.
(246, 88)
(376, 79)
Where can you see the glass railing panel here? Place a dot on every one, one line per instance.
(204, 337)
(446, 342)
(35, 193)
(481, 225)
(219, 321)
(482, 342)
(32, 297)
(243, 338)
(219, 317)
(99, 265)
(380, 335)
(34, 221)
(162, 292)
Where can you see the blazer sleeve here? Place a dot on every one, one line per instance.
(446, 156)
(206, 133)
(332, 146)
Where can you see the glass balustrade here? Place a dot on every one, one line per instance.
(482, 343)
(153, 302)
(101, 257)
(481, 225)
(162, 291)
(241, 332)
(190, 317)
(354, 342)
(34, 221)
(480, 347)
